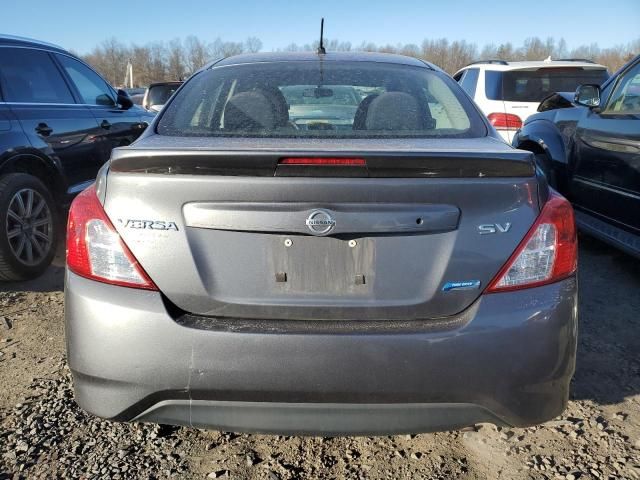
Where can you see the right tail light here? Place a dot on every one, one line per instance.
(547, 254)
(505, 121)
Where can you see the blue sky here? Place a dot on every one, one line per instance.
(81, 24)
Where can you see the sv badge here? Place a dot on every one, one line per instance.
(493, 228)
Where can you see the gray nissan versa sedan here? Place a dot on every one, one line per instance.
(241, 268)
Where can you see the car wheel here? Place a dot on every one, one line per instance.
(544, 162)
(28, 237)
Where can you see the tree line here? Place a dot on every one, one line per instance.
(179, 58)
(162, 61)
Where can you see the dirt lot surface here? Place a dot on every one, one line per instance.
(43, 434)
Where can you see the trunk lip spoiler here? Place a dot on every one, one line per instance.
(267, 163)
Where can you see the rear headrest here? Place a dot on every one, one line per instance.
(281, 107)
(249, 111)
(394, 111)
(359, 119)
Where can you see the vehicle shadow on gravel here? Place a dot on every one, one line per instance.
(608, 365)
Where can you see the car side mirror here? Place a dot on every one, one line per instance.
(588, 95)
(124, 100)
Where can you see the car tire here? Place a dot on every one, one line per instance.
(544, 162)
(28, 227)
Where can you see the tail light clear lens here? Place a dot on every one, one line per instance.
(95, 250)
(505, 121)
(548, 253)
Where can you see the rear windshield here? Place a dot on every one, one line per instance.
(535, 85)
(314, 99)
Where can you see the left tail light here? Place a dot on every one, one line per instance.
(95, 250)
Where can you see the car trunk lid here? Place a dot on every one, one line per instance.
(227, 232)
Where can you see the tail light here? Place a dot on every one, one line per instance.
(505, 121)
(548, 253)
(95, 250)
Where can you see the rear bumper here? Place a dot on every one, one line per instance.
(507, 360)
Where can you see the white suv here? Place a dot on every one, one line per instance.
(508, 92)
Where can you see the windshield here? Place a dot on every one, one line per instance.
(312, 99)
(535, 85)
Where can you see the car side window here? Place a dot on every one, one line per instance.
(31, 76)
(469, 80)
(625, 98)
(92, 89)
(493, 85)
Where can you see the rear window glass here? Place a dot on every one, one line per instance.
(312, 99)
(535, 85)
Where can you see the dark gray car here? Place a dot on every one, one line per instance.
(232, 270)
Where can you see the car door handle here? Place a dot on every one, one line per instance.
(44, 129)
(105, 124)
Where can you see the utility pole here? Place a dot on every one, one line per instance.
(128, 76)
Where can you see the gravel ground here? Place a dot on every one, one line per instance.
(43, 434)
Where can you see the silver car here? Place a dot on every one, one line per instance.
(236, 270)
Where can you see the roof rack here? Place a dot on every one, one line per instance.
(585, 60)
(491, 61)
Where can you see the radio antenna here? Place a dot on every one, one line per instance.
(321, 50)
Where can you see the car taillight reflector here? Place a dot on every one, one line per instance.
(505, 121)
(95, 250)
(332, 161)
(548, 253)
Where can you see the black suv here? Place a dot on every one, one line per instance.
(588, 144)
(59, 121)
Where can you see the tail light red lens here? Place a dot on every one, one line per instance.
(331, 161)
(95, 250)
(505, 121)
(548, 253)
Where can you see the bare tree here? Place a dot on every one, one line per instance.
(110, 58)
(436, 51)
(252, 45)
(536, 49)
(158, 68)
(410, 49)
(561, 50)
(460, 54)
(505, 51)
(142, 60)
(176, 67)
(196, 54)
(219, 48)
(367, 47)
(292, 47)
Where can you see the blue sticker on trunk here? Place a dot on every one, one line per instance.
(464, 285)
